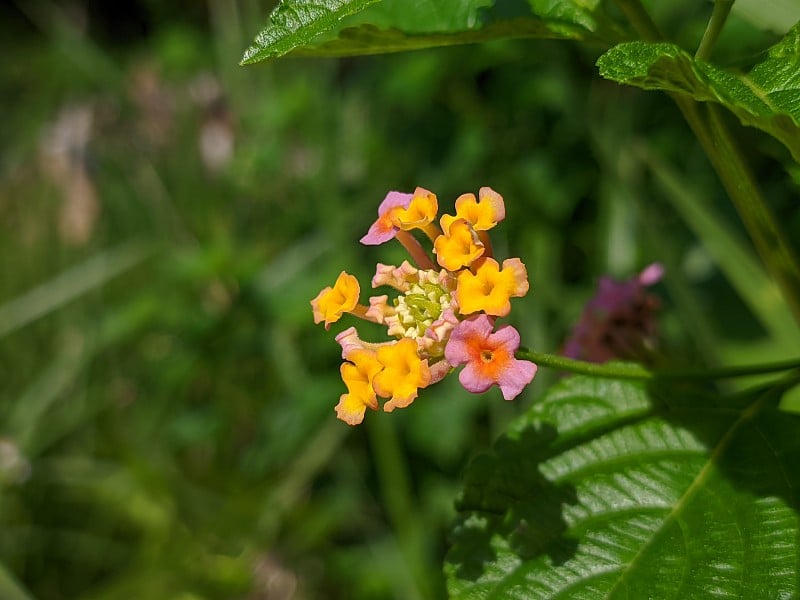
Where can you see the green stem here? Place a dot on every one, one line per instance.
(581, 367)
(634, 371)
(734, 257)
(719, 15)
(718, 144)
(395, 484)
(767, 234)
(638, 16)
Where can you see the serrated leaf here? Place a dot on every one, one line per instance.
(296, 22)
(768, 97)
(583, 13)
(401, 25)
(607, 489)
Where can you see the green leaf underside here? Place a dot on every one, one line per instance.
(368, 39)
(608, 490)
(768, 97)
(296, 23)
(375, 27)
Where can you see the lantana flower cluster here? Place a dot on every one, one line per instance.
(441, 314)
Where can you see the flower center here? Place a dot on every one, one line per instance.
(487, 356)
(421, 305)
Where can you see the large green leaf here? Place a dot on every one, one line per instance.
(336, 28)
(296, 22)
(768, 97)
(607, 489)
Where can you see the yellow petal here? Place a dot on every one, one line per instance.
(420, 212)
(358, 375)
(332, 302)
(459, 246)
(490, 288)
(402, 375)
(482, 214)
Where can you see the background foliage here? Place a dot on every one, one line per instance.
(166, 409)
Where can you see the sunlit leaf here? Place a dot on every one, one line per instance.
(368, 39)
(356, 28)
(296, 23)
(606, 489)
(768, 97)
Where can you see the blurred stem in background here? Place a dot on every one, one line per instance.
(71, 284)
(719, 15)
(767, 234)
(395, 485)
(731, 252)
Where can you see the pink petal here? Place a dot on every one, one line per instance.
(439, 330)
(400, 278)
(652, 274)
(439, 370)
(457, 350)
(393, 200)
(507, 337)
(514, 379)
(381, 231)
(349, 341)
(378, 234)
(472, 380)
(496, 200)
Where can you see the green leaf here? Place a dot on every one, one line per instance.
(296, 22)
(768, 97)
(608, 489)
(368, 39)
(400, 25)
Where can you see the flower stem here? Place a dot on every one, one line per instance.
(634, 371)
(415, 250)
(432, 231)
(719, 15)
(769, 237)
(582, 367)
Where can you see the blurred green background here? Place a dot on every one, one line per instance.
(166, 408)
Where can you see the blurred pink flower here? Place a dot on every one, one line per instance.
(619, 321)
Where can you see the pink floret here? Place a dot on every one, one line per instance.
(382, 230)
(488, 357)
